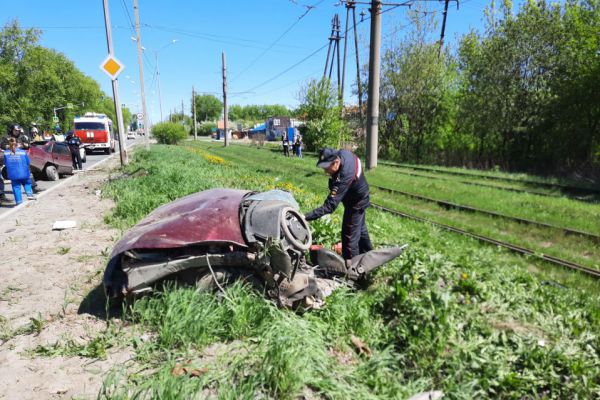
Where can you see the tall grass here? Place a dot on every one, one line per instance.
(450, 314)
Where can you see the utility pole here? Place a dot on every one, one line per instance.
(443, 27)
(158, 81)
(115, 88)
(373, 100)
(141, 67)
(194, 113)
(182, 113)
(225, 100)
(360, 94)
(345, 50)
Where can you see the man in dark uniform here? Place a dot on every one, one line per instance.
(347, 184)
(74, 143)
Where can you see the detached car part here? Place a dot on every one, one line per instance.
(218, 235)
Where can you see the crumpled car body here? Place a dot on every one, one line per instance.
(215, 236)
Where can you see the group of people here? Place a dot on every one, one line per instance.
(15, 146)
(295, 144)
(16, 161)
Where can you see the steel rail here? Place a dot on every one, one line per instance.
(510, 189)
(514, 248)
(498, 178)
(447, 204)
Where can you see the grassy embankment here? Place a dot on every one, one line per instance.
(450, 314)
(561, 212)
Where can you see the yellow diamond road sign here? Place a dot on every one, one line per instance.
(112, 67)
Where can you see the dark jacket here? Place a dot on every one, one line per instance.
(22, 141)
(73, 141)
(348, 186)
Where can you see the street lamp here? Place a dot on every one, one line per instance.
(173, 41)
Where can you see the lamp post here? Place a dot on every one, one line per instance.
(158, 69)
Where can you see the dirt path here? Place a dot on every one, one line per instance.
(45, 291)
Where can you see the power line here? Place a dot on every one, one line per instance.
(289, 68)
(308, 9)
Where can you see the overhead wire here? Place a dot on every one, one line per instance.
(308, 9)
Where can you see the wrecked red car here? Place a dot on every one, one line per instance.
(48, 160)
(216, 236)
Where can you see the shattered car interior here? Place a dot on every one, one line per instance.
(217, 236)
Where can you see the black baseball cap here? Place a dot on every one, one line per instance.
(326, 157)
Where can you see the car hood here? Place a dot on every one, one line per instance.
(211, 216)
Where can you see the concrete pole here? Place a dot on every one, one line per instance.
(158, 81)
(373, 100)
(359, 85)
(225, 100)
(194, 113)
(141, 67)
(115, 88)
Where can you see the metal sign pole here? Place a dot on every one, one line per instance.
(115, 88)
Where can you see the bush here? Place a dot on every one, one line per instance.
(169, 132)
(206, 128)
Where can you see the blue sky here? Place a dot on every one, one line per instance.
(261, 39)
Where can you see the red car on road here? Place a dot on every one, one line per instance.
(49, 160)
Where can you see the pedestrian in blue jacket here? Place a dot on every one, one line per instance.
(16, 162)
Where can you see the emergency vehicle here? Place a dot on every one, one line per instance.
(95, 131)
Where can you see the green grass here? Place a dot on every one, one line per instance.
(450, 314)
(541, 240)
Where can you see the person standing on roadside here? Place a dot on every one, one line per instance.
(298, 146)
(285, 142)
(34, 133)
(23, 142)
(348, 185)
(74, 143)
(16, 162)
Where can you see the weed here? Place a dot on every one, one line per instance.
(63, 250)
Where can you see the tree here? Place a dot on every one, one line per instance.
(208, 107)
(321, 110)
(416, 96)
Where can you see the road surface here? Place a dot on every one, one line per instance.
(92, 159)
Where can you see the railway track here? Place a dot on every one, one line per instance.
(447, 204)
(547, 185)
(514, 248)
(509, 189)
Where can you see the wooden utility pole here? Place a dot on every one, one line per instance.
(141, 68)
(194, 113)
(373, 100)
(225, 100)
(115, 88)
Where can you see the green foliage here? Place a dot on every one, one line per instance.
(208, 107)
(206, 128)
(522, 95)
(256, 113)
(449, 307)
(416, 98)
(34, 80)
(169, 132)
(320, 108)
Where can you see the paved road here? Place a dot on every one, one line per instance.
(92, 159)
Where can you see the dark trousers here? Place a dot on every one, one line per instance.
(76, 157)
(286, 150)
(355, 236)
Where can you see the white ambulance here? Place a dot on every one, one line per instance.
(95, 131)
